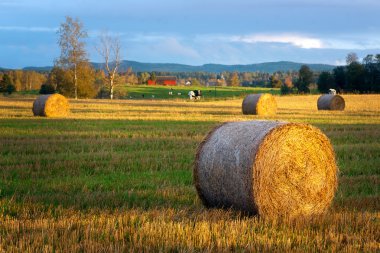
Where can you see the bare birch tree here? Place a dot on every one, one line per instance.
(73, 52)
(109, 49)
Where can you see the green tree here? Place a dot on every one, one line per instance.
(73, 52)
(61, 80)
(372, 74)
(368, 59)
(5, 82)
(377, 58)
(325, 82)
(47, 89)
(377, 78)
(355, 77)
(339, 74)
(285, 90)
(57, 78)
(10, 88)
(305, 78)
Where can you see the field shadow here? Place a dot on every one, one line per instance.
(155, 103)
(362, 204)
(15, 107)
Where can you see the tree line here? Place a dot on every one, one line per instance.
(21, 80)
(355, 77)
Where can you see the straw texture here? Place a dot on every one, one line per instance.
(268, 168)
(259, 104)
(331, 102)
(53, 105)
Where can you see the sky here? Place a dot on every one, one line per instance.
(195, 32)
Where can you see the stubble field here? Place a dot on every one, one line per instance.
(117, 176)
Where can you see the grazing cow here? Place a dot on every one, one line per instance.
(191, 95)
(197, 94)
(194, 94)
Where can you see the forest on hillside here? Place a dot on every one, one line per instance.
(355, 77)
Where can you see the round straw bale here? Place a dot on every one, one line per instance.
(260, 104)
(268, 168)
(330, 102)
(53, 105)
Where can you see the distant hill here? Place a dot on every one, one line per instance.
(217, 68)
(269, 67)
(39, 69)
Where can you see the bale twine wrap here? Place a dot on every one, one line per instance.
(259, 104)
(53, 105)
(268, 168)
(331, 102)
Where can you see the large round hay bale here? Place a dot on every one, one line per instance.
(331, 102)
(259, 104)
(53, 105)
(268, 168)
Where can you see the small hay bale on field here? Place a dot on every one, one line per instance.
(268, 168)
(331, 102)
(53, 105)
(259, 104)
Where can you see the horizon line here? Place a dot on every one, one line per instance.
(257, 63)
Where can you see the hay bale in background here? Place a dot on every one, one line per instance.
(331, 102)
(53, 105)
(259, 104)
(268, 168)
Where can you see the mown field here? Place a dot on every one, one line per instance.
(180, 92)
(159, 92)
(117, 176)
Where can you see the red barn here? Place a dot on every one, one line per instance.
(164, 80)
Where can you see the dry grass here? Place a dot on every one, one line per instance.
(360, 109)
(116, 176)
(188, 231)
